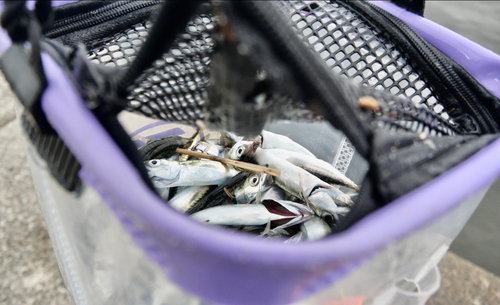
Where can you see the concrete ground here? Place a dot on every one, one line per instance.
(28, 267)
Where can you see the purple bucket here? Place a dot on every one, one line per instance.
(233, 268)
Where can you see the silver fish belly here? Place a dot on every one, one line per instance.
(315, 228)
(233, 215)
(189, 196)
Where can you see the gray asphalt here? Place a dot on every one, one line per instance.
(28, 267)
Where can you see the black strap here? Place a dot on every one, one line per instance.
(44, 13)
(15, 19)
(322, 89)
(23, 25)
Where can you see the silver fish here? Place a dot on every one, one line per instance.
(324, 205)
(186, 198)
(295, 180)
(242, 188)
(315, 166)
(315, 228)
(165, 173)
(273, 140)
(253, 214)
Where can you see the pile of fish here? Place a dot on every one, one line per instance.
(302, 202)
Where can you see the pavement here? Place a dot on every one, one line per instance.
(29, 270)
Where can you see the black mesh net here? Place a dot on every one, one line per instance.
(174, 88)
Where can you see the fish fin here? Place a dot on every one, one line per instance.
(259, 192)
(267, 229)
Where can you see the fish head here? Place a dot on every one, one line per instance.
(253, 185)
(162, 172)
(243, 150)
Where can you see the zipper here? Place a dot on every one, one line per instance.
(439, 65)
(96, 16)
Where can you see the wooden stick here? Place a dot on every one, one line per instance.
(245, 165)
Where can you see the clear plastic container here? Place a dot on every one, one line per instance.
(102, 265)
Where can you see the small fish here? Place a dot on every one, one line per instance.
(273, 140)
(324, 170)
(242, 188)
(295, 180)
(315, 228)
(165, 173)
(280, 213)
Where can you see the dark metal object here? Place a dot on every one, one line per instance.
(414, 6)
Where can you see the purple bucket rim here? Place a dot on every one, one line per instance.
(77, 126)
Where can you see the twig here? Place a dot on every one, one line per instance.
(245, 165)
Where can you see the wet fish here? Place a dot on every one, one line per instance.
(282, 214)
(242, 189)
(165, 173)
(324, 170)
(295, 180)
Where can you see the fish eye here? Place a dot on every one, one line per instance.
(254, 180)
(240, 151)
(328, 218)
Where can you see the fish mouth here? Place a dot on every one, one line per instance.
(274, 207)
